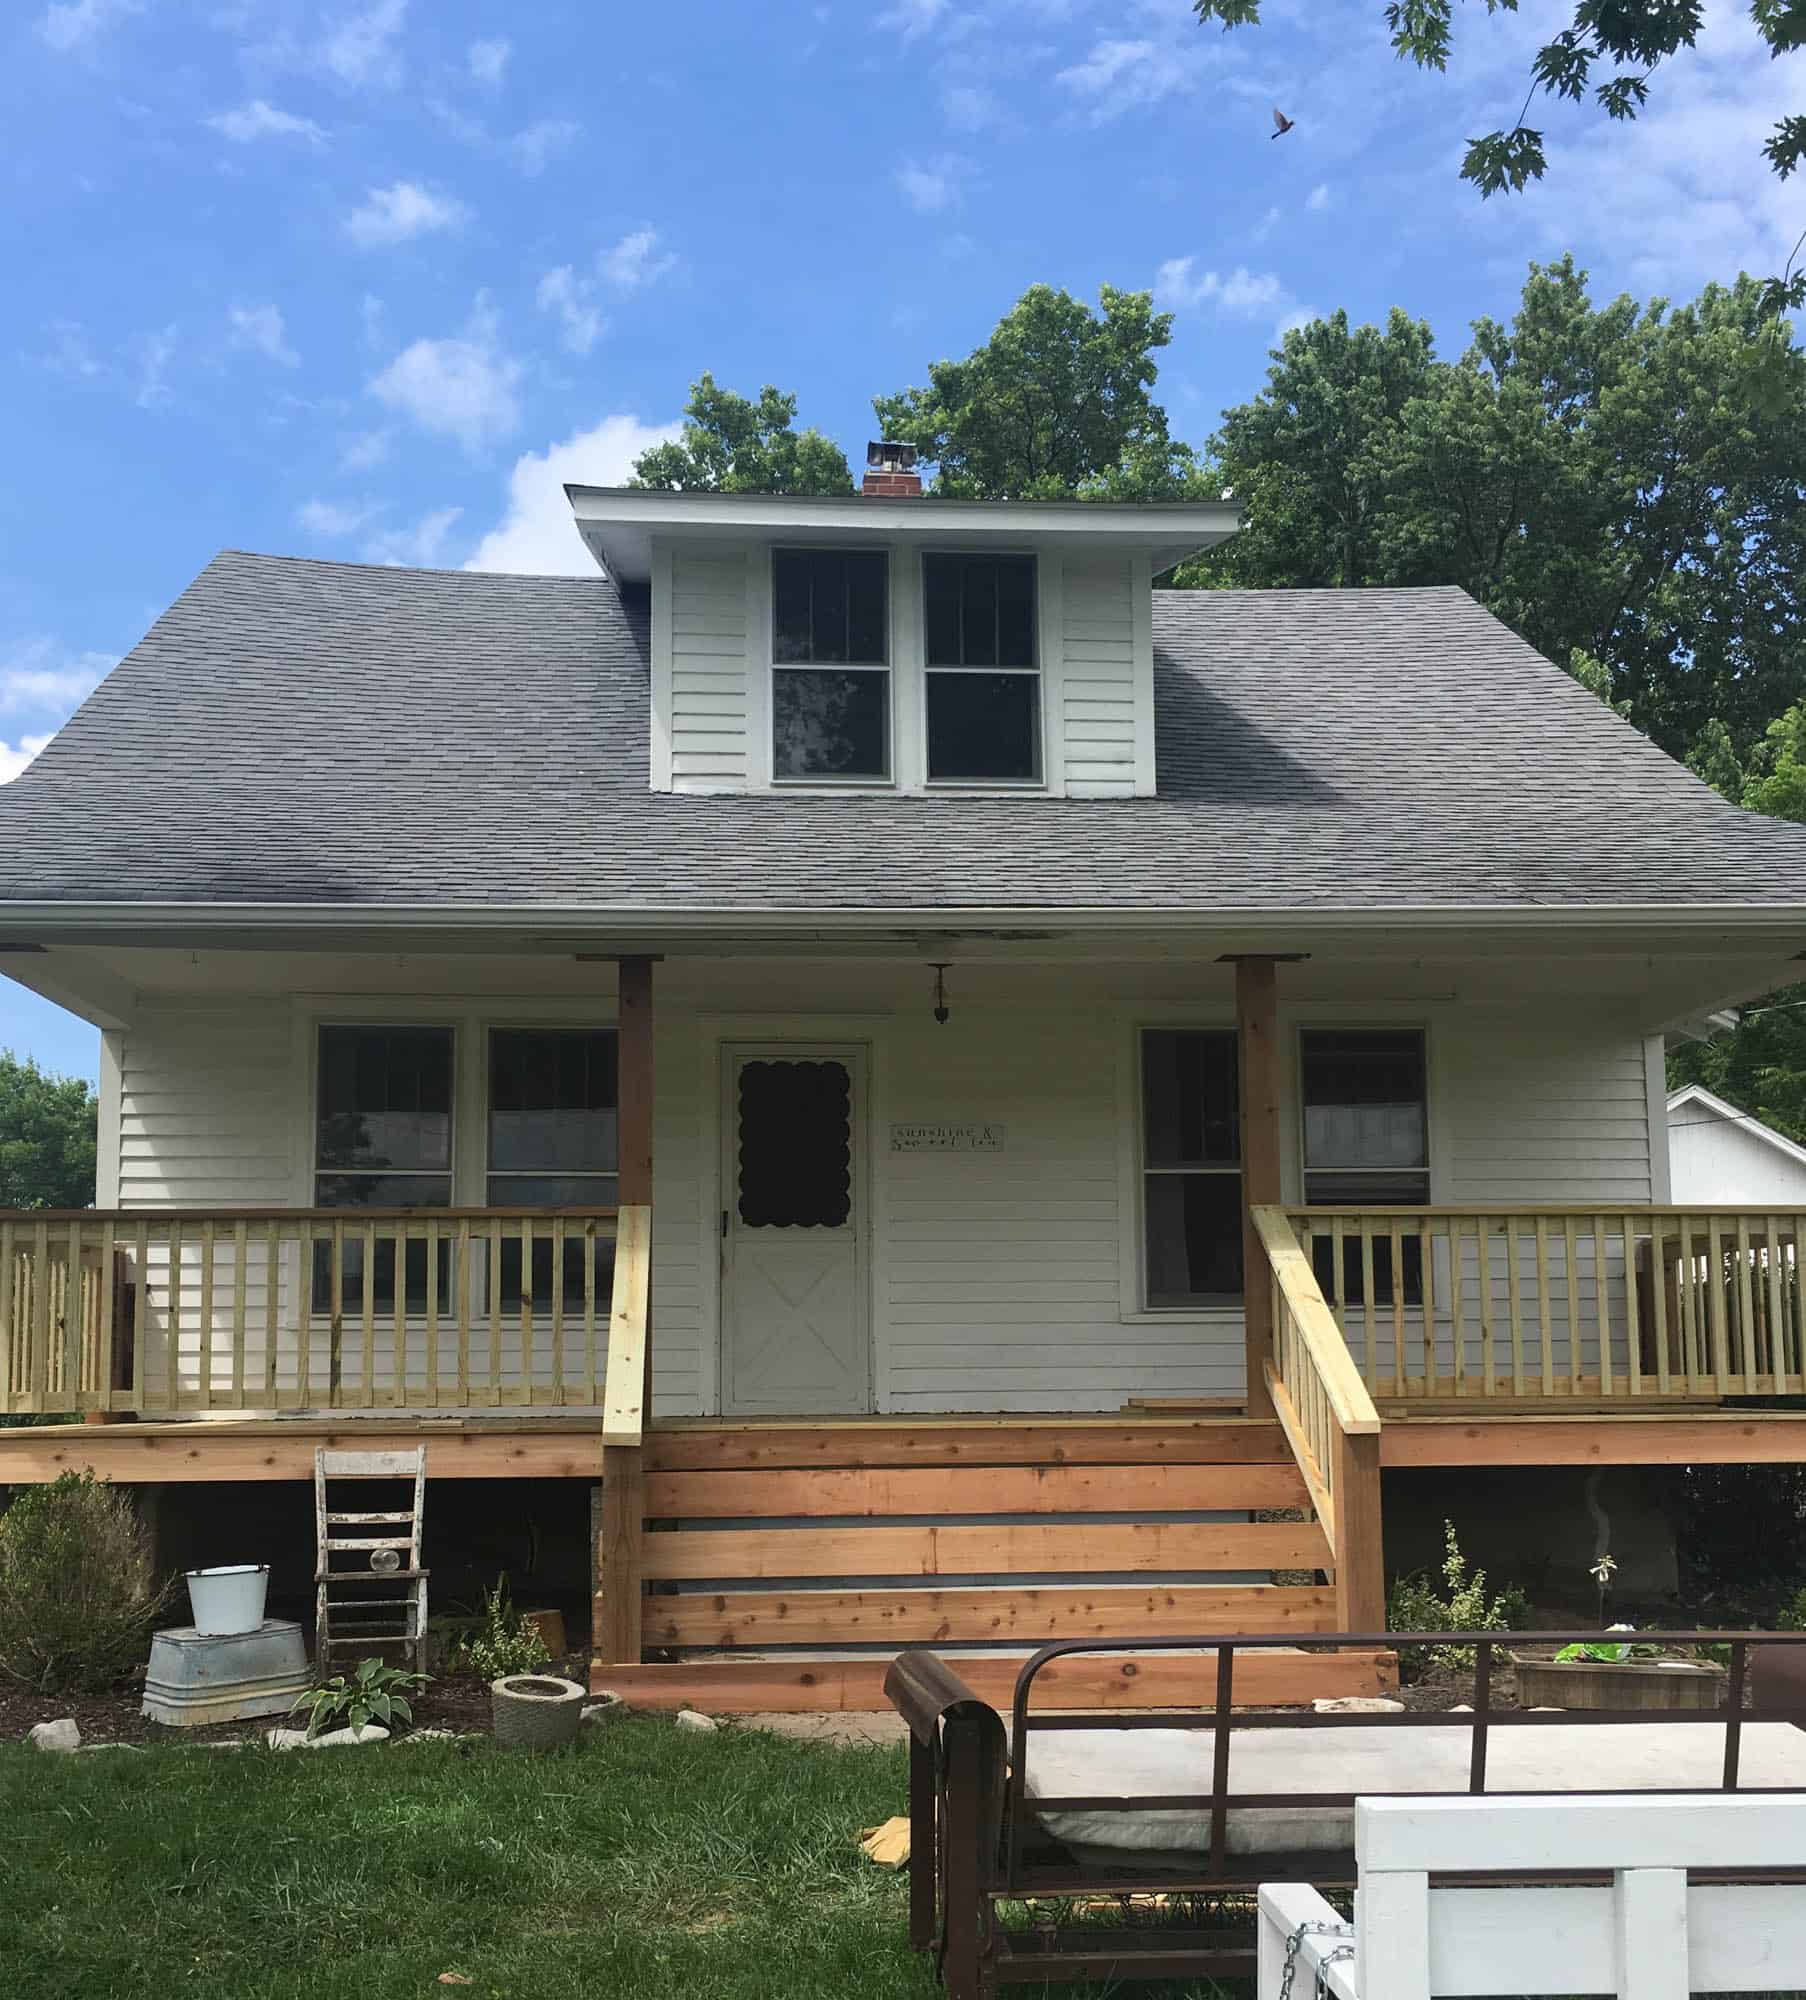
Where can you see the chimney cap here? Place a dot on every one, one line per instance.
(890, 455)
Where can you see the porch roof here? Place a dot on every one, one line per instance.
(300, 733)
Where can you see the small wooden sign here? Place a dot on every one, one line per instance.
(940, 1137)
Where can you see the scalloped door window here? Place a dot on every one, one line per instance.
(795, 1132)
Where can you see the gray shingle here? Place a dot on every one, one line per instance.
(295, 731)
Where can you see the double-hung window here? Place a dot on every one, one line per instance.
(382, 1139)
(983, 672)
(830, 664)
(554, 1140)
(1366, 1143)
(1191, 1168)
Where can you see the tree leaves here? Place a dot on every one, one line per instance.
(733, 445)
(48, 1126)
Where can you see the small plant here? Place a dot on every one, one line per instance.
(1602, 1573)
(78, 1589)
(1415, 1604)
(1792, 1615)
(375, 1692)
(507, 1641)
(1611, 1652)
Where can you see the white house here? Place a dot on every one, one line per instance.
(1718, 1153)
(1191, 1022)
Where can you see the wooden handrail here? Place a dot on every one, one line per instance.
(1316, 1325)
(623, 1390)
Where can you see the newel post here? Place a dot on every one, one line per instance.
(620, 1530)
(1257, 1070)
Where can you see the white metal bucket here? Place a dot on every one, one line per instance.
(228, 1599)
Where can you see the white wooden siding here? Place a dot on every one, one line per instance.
(706, 721)
(1001, 1280)
(1720, 1159)
(1097, 686)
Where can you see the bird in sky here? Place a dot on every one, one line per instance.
(1281, 123)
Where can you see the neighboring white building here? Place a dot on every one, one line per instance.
(1717, 1153)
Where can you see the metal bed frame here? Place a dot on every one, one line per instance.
(976, 1842)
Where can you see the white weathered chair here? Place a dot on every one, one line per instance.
(370, 1587)
(1650, 1933)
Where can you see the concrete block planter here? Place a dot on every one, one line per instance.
(536, 1711)
(1653, 1685)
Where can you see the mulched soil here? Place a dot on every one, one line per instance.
(455, 1702)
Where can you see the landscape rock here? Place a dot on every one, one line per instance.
(703, 1725)
(440, 1736)
(1357, 1704)
(298, 1739)
(62, 1734)
(134, 1747)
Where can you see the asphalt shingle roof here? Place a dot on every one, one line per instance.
(303, 732)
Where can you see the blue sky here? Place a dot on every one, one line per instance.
(371, 278)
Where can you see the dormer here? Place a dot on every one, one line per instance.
(893, 641)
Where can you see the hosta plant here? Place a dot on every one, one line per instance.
(374, 1692)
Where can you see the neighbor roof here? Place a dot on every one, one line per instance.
(1693, 1095)
(297, 732)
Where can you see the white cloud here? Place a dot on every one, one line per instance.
(537, 536)
(403, 210)
(930, 186)
(420, 547)
(366, 450)
(155, 351)
(636, 260)
(462, 387)
(73, 24)
(542, 142)
(262, 120)
(1318, 198)
(15, 757)
(488, 60)
(1119, 76)
(331, 520)
(969, 107)
(260, 328)
(360, 50)
(39, 678)
(573, 299)
(911, 18)
(1243, 294)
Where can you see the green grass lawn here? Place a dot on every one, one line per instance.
(644, 1862)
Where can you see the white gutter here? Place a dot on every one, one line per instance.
(67, 916)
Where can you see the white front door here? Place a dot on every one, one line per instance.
(795, 1337)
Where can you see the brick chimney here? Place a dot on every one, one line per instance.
(890, 471)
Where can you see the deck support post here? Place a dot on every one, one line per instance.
(619, 1558)
(1360, 1546)
(1257, 1069)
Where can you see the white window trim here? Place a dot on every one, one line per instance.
(765, 609)
(1041, 782)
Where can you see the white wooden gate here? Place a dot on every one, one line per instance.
(1650, 1933)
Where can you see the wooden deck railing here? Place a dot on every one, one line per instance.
(162, 1312)
(1329, 1421)
(1563, 1304)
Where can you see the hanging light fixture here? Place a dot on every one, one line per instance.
(941, 1010)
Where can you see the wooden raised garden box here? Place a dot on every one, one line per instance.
(1656, 1685)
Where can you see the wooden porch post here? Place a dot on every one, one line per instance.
(1257, 1054)
(618, 1554)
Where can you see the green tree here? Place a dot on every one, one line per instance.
(1055, 405)
(1605, 479)
(731, 445)
(47, 1137)
(1609, 51)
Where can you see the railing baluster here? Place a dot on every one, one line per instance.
(1658, 1302)
(590, 1240)
(433, 1242)
(1426, 1253)
(172, 1318)
(12, 1327)
(462, 1231)
(1633, 1318)
(72, 1318)
(1457, 1322)
(335, 1368)
(272, 1301)
(240, 1333)
(107, 1345)
(495, 1308)
(528, 1239)
(304, 1352)
(367, 1252)
(1396, 1241)
(1369, 1307)
(1514, 1301)
(1718, 1306)
(556, 1390)
(206, 1310)
(1749, 1358)
(1570, 1237)
(1602, 1306)
(1483, 1249)
(1545, 1316)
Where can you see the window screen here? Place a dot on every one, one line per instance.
(983, 682)
(830, 698)
(1191, 1155)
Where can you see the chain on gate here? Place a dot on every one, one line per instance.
(1336, 1956)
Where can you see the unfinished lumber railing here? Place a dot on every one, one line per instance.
(1329, 1421)
(1563, 1304)
(620, 1520)
(169, 1311)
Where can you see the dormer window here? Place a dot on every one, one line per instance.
(830, 654)
(983, 670)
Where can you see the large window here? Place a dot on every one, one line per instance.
(1191, 1158)
(554, 1096)
(830, 652)
(1366, 1142)
(382, 1139)
(984, 683)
